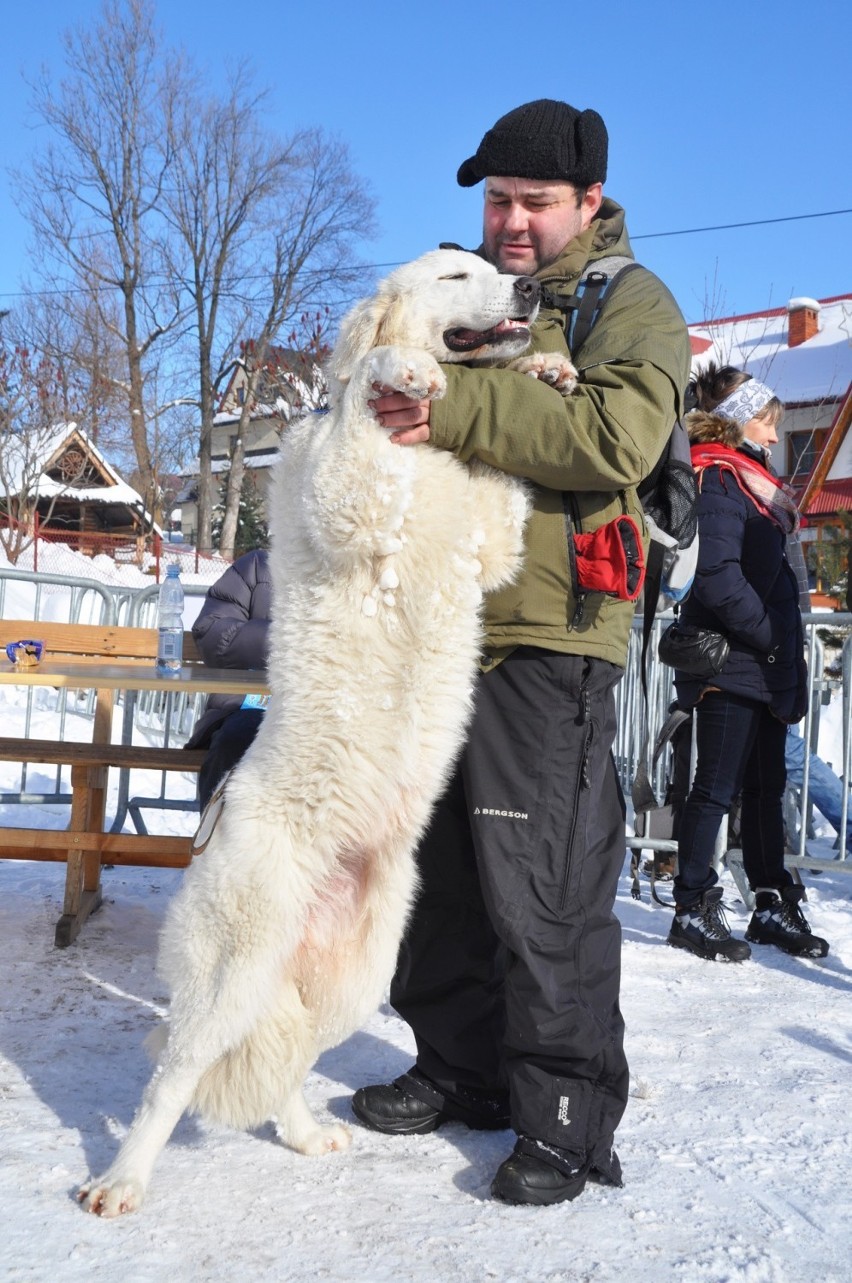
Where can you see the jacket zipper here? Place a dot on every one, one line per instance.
(572, 525)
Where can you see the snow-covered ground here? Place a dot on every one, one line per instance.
(735, 1145)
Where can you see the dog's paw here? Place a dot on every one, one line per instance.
(110, 1196)
(408, 370)
(324, 1140)
(549, 367)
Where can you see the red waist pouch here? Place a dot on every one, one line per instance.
(611, 559)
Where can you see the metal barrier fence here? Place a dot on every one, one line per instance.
(830, 679)
(166, 718)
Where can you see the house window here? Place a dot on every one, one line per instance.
(803, 450)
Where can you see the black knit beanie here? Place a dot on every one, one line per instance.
(545, 139)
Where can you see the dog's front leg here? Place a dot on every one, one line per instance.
(502, 505)
(359, 486)
(405, 369)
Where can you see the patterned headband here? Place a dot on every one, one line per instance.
(745, 402)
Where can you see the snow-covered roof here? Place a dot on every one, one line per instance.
(280, 409)
(816, 370)
(39, 452)
(260, 459)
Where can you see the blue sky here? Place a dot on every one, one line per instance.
(720, 113)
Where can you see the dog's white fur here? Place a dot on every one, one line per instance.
(285, 933)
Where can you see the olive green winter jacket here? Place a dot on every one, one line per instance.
(597, 444)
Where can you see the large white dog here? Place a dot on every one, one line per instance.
(285, 933)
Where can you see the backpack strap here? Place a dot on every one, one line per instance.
(582, 308)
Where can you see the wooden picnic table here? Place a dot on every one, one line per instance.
(104, 660)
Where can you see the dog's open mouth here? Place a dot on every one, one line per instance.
(460, 340)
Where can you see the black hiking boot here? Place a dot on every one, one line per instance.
(539, 1174)
(704, 930)
(778, 920)
(412, 1105)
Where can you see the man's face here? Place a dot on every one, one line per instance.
(527, 222)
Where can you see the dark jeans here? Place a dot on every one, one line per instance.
(740, 746)
(227, 745)
(509, 971)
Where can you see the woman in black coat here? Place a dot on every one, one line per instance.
(746, 589)
(231, 631)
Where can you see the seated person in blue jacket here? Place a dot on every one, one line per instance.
(231, 631)
(825, 789)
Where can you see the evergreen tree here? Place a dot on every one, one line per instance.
(252, 530)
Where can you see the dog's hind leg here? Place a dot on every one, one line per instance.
(296, 1126)
(122, 1188)
(261, 1078)
(294, 1123)
(207, 1020)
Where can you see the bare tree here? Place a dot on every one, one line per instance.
(32, 396)
(279, 384)
(322, 212)
(226, 174)
(265, 227)
(93, 195)
(77, 331)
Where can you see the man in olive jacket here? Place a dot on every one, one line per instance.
(509, 971)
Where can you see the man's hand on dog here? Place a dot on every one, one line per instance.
(407, 420)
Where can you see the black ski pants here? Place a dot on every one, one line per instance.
(509, 971)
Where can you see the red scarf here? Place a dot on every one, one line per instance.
(768, 495)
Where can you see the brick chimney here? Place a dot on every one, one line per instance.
(803, 320)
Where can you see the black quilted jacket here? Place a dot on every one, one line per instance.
(231, 631)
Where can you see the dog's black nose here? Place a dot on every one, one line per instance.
(528, 288)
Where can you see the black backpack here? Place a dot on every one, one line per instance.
(669, 494)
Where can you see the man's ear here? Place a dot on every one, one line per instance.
(591, 203)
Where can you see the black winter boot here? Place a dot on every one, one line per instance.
(539, 1174)
(777, 919)
(704, 930)
(412, 1105)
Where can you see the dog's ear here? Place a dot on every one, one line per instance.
(390, 327)
(371, 323)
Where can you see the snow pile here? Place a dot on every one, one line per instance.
(736, 1143)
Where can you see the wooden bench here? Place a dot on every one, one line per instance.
(105, 659)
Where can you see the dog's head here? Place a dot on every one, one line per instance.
(449, 302)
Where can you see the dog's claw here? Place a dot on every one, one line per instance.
(108, 1199)
(551, 368)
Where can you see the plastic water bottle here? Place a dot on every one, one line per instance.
(170, 623)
